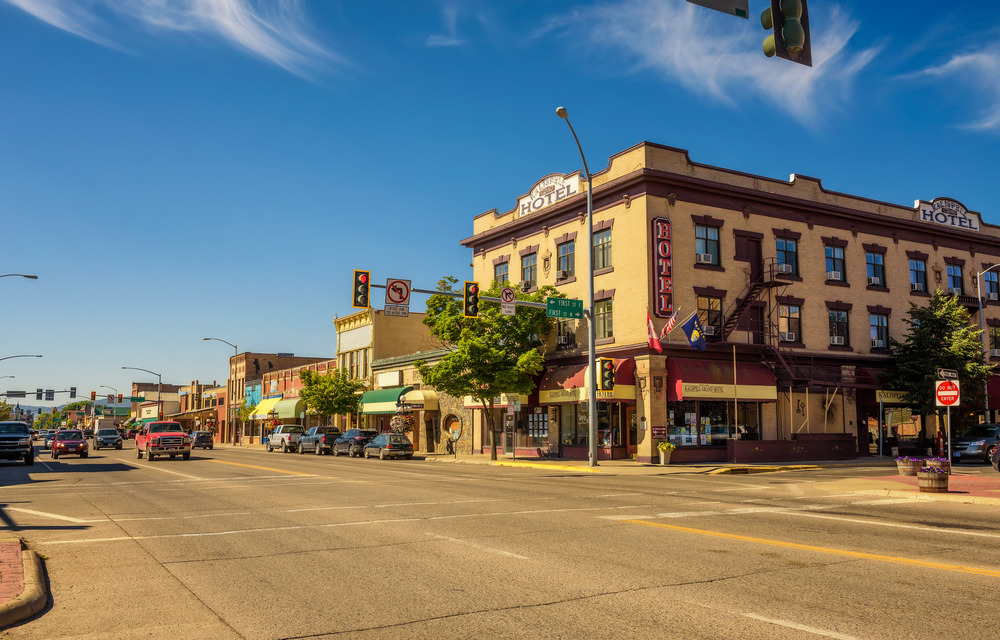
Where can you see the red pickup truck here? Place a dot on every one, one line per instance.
(162, 438)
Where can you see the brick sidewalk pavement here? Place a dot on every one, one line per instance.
(11, 570)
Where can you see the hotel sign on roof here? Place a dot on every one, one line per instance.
(547, 191)
(948, 212)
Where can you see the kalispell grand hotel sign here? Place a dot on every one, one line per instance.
(663, 279)
(947, 212)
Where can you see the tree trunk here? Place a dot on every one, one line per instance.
(488, 411)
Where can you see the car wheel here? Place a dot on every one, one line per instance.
(29, 459)
(96, 448)
(211, 446)
(284, 447)
(138, 453)
(186, 455)
(149, 454)
(989, 454)
(353, 451)
(319, 449)
(334, 452)
(55, 456)
(368, 453)
(381, 454)
(118, 446)
(173, 455)
(269, 447)
(409, 456)
(83, 455)
(301, 450)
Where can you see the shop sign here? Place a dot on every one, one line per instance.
(948, 212)
(547, 191)
(658, 433)
(706, 391)
(663, 278)
(890, 397)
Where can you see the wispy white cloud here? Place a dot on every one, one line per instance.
(720, 57)
(450, 38)
(275, 30)
(979, 75)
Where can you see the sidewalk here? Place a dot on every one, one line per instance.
(23, 591)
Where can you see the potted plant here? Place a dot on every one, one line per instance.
(932, 480)
(908, 466)
(665, 448)
(941, 463)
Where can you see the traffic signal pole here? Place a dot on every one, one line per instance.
(452, 294)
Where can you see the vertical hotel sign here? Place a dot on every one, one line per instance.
(663, 278)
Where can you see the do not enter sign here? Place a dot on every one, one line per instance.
(946, 393)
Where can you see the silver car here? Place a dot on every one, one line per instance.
(977, 444)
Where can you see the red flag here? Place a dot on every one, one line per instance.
(670, 324)
(654, 342)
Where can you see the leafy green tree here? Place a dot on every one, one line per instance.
(5, 410)
(331, 394)
(490, 354)
(938, 335)
(79, 404)
(244, 412)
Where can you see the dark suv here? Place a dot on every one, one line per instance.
(202, 439)
(353, 442)
(15, 442)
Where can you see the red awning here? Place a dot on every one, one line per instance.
(691, 379)
(575, 376)
(993, 389)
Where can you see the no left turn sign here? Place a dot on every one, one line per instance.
(397, 292)
(946, 393)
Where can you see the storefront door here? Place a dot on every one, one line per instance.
(508, 433)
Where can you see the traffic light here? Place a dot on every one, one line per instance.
(606, 369)
(38, 394)
(72, 392)
(119, 398)
(93, 396)
(362, 284)
(790, 40)
(471, 307)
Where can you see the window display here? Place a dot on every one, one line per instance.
(693, 423)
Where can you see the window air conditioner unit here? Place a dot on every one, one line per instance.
(995, 353)
(708, 330)
(837, 340)
(562, 339)
(524, 285)
(955, 291)
(878, 344)
(703, 258)
(783, 268)
(786, 336)
(916, 286)
(992, 296)
(874, 281)
(833, 275)
(562, 274)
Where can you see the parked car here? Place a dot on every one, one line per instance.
(50, 437)
(15, 442)
(353, 441)
(285, 437)
(107, 438)
(202, 439)
(996, 458)
(389, 445)
(976, 444)
(318, 440)
(130, 434)
(69, 441)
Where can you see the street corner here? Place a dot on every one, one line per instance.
(23, 589)
(961, 488)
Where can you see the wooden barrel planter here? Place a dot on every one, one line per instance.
(909, 466)
(940, 463)
(931, 480)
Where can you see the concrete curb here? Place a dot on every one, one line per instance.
(540, 465)
(943, 497)
(32, 598)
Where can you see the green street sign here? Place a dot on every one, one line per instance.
(138, 399)
(563, 308)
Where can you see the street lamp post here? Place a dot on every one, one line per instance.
(979, 296)
(591, 366)
(159, 387)
(21, 356)
(231, 409)
(116, 400)
(19, 275)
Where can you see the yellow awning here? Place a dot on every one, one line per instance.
(424, 399)
(261, 410)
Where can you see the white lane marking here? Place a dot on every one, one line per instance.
(898, 525)
(53, 515)
(480, 547)
(206, 515)
(43, 463)
(176, 473)
(800, 627)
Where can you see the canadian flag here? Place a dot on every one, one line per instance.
(670, 324)
(654, 341)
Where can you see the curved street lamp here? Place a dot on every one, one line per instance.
(591, 363)
(231, 386)
(21, 356)
(19, 275)
(159, 386)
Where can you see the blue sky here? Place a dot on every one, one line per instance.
(175, 169)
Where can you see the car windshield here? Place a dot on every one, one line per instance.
(69, 435)
(399, 439)
(166, 427)
(13, 428)
(980, 431)
(107, 432)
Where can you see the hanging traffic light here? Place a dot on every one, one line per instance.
(119, 398)
(471, 307)
(606, 369)
(789, 20)
(38, 394)
(93, 396)
(362, 284)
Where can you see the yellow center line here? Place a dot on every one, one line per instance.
(252, 466)
(806, 547)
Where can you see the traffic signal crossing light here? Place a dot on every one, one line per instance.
(790, 40)
(93, 396)
(362, 286)
(72, 392)
(38, 394)
(606, 371)
(119, 398)
(470, 309)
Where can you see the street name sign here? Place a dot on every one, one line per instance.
(946, 393)
(947, 374)
(563, 308)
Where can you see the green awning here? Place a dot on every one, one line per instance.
(290, 408)
(382, 400)
(263, 408)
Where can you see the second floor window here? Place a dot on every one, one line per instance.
(604, 326)
(994, 339)
(918, 275)
(566, 333)
(839, 329)
(835, 264)
(787, 254)
(955, 279)
(529, 270)
(500, 274)
(602, 249)
(879, 325)
(991, 282)
(710, 314)
(706, 244)
(789, 323)
(566, 259)
(875, 263)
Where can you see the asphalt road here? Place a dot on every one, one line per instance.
(247, 544)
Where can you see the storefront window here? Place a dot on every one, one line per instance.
(693, 423)
(682, 423)
(573, 424)
(533, 429)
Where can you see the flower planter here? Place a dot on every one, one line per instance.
(664, 457)
(932, 481)
(939, 463)
(909, 466)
